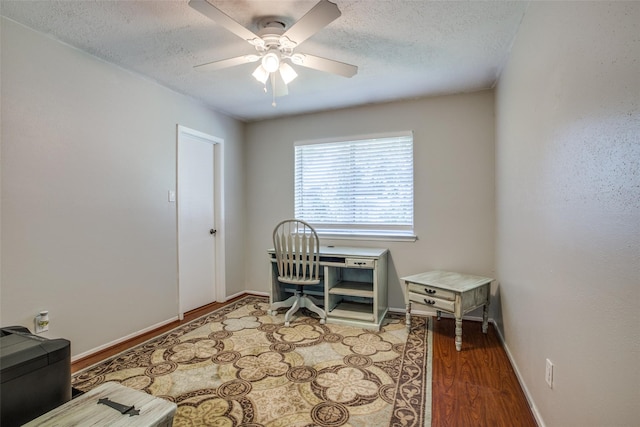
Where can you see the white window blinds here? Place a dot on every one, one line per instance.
(357, 187)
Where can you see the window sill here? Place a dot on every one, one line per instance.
(368, 236)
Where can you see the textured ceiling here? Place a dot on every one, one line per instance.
(403, 49)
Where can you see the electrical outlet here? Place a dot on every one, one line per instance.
(42, 322)
(548, 374)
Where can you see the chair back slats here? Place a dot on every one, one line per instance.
(289, 254)
(297, 252)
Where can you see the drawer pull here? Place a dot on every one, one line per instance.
(430, 291)
(429, 301)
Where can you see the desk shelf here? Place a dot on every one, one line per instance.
(353, 310)
(354, 289)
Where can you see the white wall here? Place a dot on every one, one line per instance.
(454, 182)
(568, 210)
(88, 155)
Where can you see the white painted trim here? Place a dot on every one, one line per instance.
(121, 340)
(259, 293)
(536, 414)
(219, 198)
(398, 134)
(237, 294)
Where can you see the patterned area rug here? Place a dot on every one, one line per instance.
(239, 366)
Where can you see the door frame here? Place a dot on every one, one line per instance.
(218, 212)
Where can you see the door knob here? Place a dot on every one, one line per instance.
(212, 231)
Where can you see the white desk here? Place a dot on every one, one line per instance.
(449, 292)
(353, 286)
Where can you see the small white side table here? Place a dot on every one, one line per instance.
(85, 410)
(449, 292)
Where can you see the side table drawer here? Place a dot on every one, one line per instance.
(437, 303)
(431, 292)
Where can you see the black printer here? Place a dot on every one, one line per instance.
(35, 373)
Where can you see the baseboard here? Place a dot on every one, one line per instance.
(121, 340)
(258, 293)
(237, 294)
(532, 405)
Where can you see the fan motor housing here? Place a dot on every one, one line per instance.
(270, 29)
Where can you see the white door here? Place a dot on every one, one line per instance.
(196, 222)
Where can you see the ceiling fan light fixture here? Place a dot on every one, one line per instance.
(261, 74)
(287, 73)
(271, 62)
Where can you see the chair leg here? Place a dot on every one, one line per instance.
(296, 305)
(297, 302)
(314, 300)
(308, 303)
(273, 310)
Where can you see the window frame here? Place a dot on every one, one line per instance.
(405, 232)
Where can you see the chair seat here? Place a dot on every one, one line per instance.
(291, 281)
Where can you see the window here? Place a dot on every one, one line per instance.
(356, 188)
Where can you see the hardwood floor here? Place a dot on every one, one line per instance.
(476, 386)
(472, 388)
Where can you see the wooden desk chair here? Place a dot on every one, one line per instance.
(297, 251)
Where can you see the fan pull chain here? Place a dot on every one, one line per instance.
(273, 89)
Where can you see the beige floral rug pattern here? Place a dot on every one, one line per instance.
(240, 366)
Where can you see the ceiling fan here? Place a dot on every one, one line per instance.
(275, 45)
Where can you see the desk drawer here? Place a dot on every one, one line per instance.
(437, 303)
(360, 262)
(432, 292)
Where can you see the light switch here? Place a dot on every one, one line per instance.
(172, 196)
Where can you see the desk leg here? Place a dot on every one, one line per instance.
(408, 316)
(485, 318)
(458, 333)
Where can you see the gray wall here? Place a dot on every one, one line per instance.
(454, 182)
(568, 210)
(88, 156)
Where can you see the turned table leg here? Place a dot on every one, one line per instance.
(408, 317)
(458, 333)
(485, 318)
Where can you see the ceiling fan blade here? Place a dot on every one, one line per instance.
(324, 64)
(221, 18)
(321, 15)
(226, 63)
